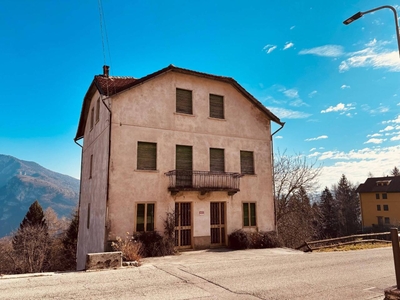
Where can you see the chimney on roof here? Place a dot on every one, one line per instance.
(106, 71)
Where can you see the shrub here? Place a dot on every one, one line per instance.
(131, 249)
(153, 243)
(265, 239)
(238, 240)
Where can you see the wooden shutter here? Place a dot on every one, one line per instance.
(140, 209)
(246, 214)
(253, 214)
(184, 101)
(216, 106)
(184, 158)
(246, 162)
(217, 160)
(147, 156)
(150, 217)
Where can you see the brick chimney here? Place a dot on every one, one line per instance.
(106, 71)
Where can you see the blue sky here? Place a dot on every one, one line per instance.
(336, 86)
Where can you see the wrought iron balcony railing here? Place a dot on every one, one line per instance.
(203, 181)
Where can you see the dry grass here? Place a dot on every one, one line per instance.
(355, 247)
(131, 249)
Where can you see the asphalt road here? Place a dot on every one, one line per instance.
(250, 274)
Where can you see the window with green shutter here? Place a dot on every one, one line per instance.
(217, 160)
(145, 217)
(147, 156)
(184, 166)
(216, 106)
(247, 162)
(184, 103)
(249, 215)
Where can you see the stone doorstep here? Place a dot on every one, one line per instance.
(392, 293)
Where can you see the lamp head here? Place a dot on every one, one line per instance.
(353, 18)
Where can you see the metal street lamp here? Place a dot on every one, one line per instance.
(360, 14)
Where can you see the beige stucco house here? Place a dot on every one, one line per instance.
(176, 141)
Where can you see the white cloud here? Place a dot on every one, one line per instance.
(279, 137)
(313, 149)
(396, 138)
(291, 93)
(398, 104)
(327, 51)
(375, 141)
(313, 93)
(284, 113)
(356, 164)
(374, 57)
(345, 87)
(338, 108)
(317, 138)
(298, 103)
(397, 120)
(269, 48)
(375, 135)
(387, 128)
(288, 45)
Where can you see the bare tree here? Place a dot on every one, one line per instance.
(291, 174)
(32, 248)
(55, 225)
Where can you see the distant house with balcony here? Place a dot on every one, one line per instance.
(180, 141)
(380, 202)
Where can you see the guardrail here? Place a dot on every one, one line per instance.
(347, 240)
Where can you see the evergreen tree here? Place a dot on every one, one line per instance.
(70, 242)
(34, 218)
(395, 172)
(349, 207)
(329, 214)
(31, 242)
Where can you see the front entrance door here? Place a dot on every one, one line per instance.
(183, 225)
(217, 223)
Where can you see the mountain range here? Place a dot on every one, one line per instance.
(23, 182)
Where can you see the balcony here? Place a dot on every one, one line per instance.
(203, 181)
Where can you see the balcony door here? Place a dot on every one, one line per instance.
(183, 225)
(217, 223)
(184, 166)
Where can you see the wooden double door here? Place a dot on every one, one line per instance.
(183, 224)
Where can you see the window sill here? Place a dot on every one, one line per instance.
(147, 171)
(216, 119)
(183, 114)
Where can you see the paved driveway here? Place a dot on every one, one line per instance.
(250, 274)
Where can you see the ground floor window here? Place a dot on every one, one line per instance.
(145, 217)
(249, 214)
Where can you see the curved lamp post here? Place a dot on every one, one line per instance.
(360, 14)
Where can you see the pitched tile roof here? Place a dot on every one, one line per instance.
(388, 184)
(112, 85)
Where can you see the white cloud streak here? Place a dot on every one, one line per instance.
(327, 51)
(321, 137)
(269, 48)
(284, 113)
(338, 108)
(288, 45)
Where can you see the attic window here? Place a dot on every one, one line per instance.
(383, 183)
